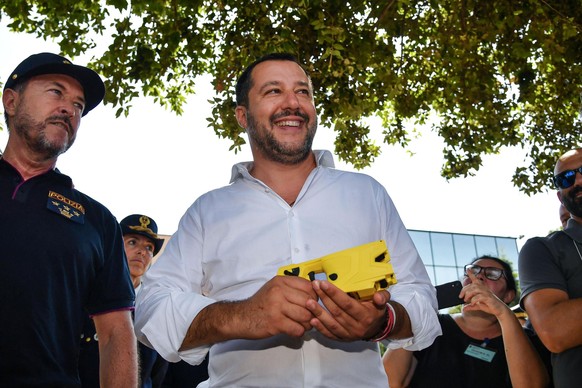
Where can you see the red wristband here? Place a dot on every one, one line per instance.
(391, 321)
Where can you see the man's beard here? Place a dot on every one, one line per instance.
(275, 150)
(572, 203)
(34, 134)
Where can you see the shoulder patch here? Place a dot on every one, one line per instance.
(62, 205)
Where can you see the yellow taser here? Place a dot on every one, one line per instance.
(359, 271)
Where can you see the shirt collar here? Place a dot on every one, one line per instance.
(323, 158)
(54, 173)
(574, 230)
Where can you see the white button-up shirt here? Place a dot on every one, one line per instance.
(232, 240)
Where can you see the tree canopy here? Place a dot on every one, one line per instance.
(494, 73)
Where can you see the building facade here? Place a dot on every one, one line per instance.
(445, 254)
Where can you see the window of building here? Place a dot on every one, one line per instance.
(445, 254)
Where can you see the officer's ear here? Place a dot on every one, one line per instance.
(10, 101)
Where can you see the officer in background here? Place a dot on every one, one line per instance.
(141, 244)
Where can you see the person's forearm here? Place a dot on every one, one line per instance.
(398, 364)
(215, 323)
(278, 307)
(118, 362)
(559, 325)
(525, 366)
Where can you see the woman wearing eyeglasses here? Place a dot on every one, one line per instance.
(483, 346)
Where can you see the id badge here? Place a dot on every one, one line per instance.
(480, 352)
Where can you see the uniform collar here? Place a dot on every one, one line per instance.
(55, 173)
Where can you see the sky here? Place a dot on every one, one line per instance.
(157, 163)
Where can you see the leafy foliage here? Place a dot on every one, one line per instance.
(496, 73)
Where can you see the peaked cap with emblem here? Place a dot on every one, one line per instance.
(144, 226)
(49, 63)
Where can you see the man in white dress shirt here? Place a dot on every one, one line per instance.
(214, 288)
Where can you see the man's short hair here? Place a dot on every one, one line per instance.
(244, 82)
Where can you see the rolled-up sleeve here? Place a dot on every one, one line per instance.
(413, 290)
(423, 317)
(170, 297)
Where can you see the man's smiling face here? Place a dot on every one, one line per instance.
(281, 121)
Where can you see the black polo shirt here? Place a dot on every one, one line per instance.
(61, 257)
(555, 262)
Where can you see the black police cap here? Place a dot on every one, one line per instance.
(49, 63)
(144, 226)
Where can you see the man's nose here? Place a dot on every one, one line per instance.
(291, 100)
(69, 108)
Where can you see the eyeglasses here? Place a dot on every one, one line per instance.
(491, 273)
(566, 178)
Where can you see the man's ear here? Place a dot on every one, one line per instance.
(559, 194)
(241, 116)
(9, 100)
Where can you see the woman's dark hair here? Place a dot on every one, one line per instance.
(511, 285)
(245, 82)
